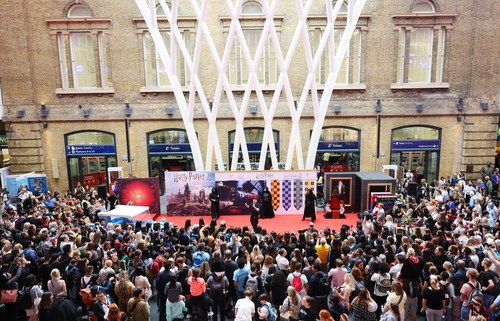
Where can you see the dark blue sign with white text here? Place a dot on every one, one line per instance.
(430, 144)
(79, 150)
(169, 149)
(328, 146)
(253, 147)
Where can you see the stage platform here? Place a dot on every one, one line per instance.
(280, 223)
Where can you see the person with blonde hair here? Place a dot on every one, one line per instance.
(466, 291)
(396, 297)
(55, 284)
(291, 306)
(344, 291)
(433, 300)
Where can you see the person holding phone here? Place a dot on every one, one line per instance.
(254, 213)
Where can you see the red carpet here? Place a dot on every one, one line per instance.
(280, 223)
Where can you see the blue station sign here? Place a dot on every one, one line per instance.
(82, 150)
(338, 146)
(401, 145)
(253, 147)
(169, 149)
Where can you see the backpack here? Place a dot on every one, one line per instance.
(197, 259)
(324, 284)
(24, 298)
(253, 283)
(297, 282)
(217, 286)
(87, 298)
(447, 297)
(384, 284)
(476, 291)
(273, 314)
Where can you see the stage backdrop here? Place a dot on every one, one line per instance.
(140, 192)
(187, 192)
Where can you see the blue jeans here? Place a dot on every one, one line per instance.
(464, 314)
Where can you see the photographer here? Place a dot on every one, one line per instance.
(254, 213)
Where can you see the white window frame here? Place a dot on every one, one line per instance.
(439, 24)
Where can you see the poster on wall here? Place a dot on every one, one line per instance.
(187, 193)
(140, 192)
(287, 189)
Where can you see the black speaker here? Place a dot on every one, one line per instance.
(469, 168)
(412, 189)
(101, 191)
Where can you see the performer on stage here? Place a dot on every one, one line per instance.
(214, 203)
(310, 208)
(254, 213)
(266, 210)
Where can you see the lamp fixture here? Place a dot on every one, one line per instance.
(21, 113)
(460, 104)
(169, 110)
(44, 111)
(253, 109)
(87, 112)
(128, 109)
(483, 105)
(378, 106)
(337, 108)
(419, 107)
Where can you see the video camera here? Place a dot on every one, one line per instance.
(365, 215)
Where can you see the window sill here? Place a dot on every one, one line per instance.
(156, 90)
(242, 88)
(89, 91)
(442, 85)
(339, 87)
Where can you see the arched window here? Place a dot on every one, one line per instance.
(250, 8)
(79, 10)
(338, 149)
(83, 48)
(423, 6)
(422, 40)
(252, 23)
(417, 148)
(88, 156)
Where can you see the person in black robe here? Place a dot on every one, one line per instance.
(266, 210)
(214, 203)
(310, 208)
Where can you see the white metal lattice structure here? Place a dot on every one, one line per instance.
(239, 109)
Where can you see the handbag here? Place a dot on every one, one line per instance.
(8, 296)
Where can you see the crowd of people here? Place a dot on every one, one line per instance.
(436, 254)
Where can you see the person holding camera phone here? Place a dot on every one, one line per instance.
(254, 213)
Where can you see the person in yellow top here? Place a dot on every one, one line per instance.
(322, 249)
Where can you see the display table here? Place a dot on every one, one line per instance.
(124, 213)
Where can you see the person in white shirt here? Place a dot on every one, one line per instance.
(244, 309)
(281, 260)
(394, 271)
